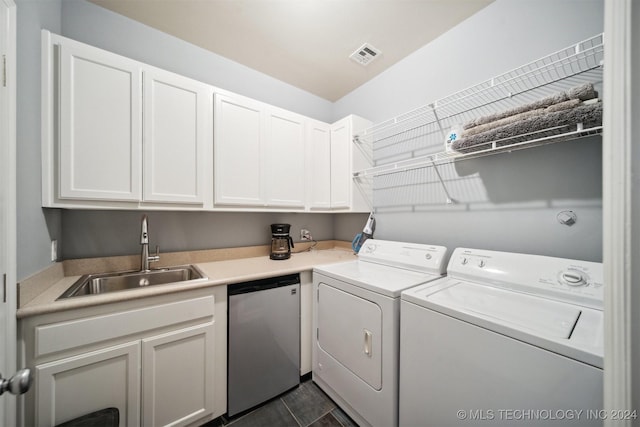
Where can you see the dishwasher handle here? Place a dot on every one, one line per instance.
(263, 284)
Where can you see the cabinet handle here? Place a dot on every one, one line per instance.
(367, 342)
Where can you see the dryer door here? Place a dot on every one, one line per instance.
(350, 330)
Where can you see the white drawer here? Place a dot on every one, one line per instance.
(82, 332)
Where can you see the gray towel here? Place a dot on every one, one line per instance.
(582, 92)
(566, 105)
(589, 115)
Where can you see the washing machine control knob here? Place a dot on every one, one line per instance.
(464, 261)
(481, 263)
(428, 256)
(573, 278)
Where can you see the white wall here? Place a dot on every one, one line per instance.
(504, 202)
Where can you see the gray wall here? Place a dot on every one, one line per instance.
(508, 201)
(36, 226)
(107, 233)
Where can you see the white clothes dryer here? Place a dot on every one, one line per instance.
(356, 316)
(505, 339)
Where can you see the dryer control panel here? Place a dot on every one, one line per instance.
(579, 282)
(412, 256)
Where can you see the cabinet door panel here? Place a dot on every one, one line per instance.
(319, 177)
(285, 162)
(76, 386)
(238, 132)
(175, 117)
(178, 376)
(341, 164)
(100, 134)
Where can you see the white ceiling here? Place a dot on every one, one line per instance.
(305, 43)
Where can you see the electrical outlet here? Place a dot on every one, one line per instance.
(305, 234)
(54, 250)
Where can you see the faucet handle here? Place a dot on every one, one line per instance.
(156, 257)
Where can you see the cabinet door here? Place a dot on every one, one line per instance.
(284, 159)
(238, 129)
(319, 161)
(76, 386)
(178, 376)
(100, 133)
(175, 130)
(341, 164)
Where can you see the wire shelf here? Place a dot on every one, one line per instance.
(569, 62)
(415, 139)
(519, 142)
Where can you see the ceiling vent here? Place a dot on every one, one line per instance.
(365, 54)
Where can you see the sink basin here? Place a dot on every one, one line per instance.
(95, 284)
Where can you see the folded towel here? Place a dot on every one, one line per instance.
(512, 119)
(582, 93)
(589, 115)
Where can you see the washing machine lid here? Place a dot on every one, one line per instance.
(568, 329)
(382, 279)
(540, 316)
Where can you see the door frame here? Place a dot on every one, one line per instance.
(621, 208)
(8, 181)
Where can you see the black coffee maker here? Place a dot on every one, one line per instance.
(281, 242)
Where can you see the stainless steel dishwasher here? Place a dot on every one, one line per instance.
(263, 341)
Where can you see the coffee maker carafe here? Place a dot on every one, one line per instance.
(281, 242)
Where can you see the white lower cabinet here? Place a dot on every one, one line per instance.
(112, 374)
(161, 361)
(177, 376)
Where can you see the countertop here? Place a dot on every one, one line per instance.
(219, 273)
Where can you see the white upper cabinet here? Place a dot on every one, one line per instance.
(118, 133)
(176, 110)
(259, 154)
(347, 156)
(130, 135)
(238, 134)
(319, 165)
(100, 116)
(285, 159)
(341, 164)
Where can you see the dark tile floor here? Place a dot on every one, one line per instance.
(304, 406)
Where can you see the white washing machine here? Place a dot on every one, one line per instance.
(357, 320)
(505, 339)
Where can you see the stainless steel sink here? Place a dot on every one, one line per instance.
(95, 284)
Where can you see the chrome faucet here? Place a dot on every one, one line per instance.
(145, 259)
